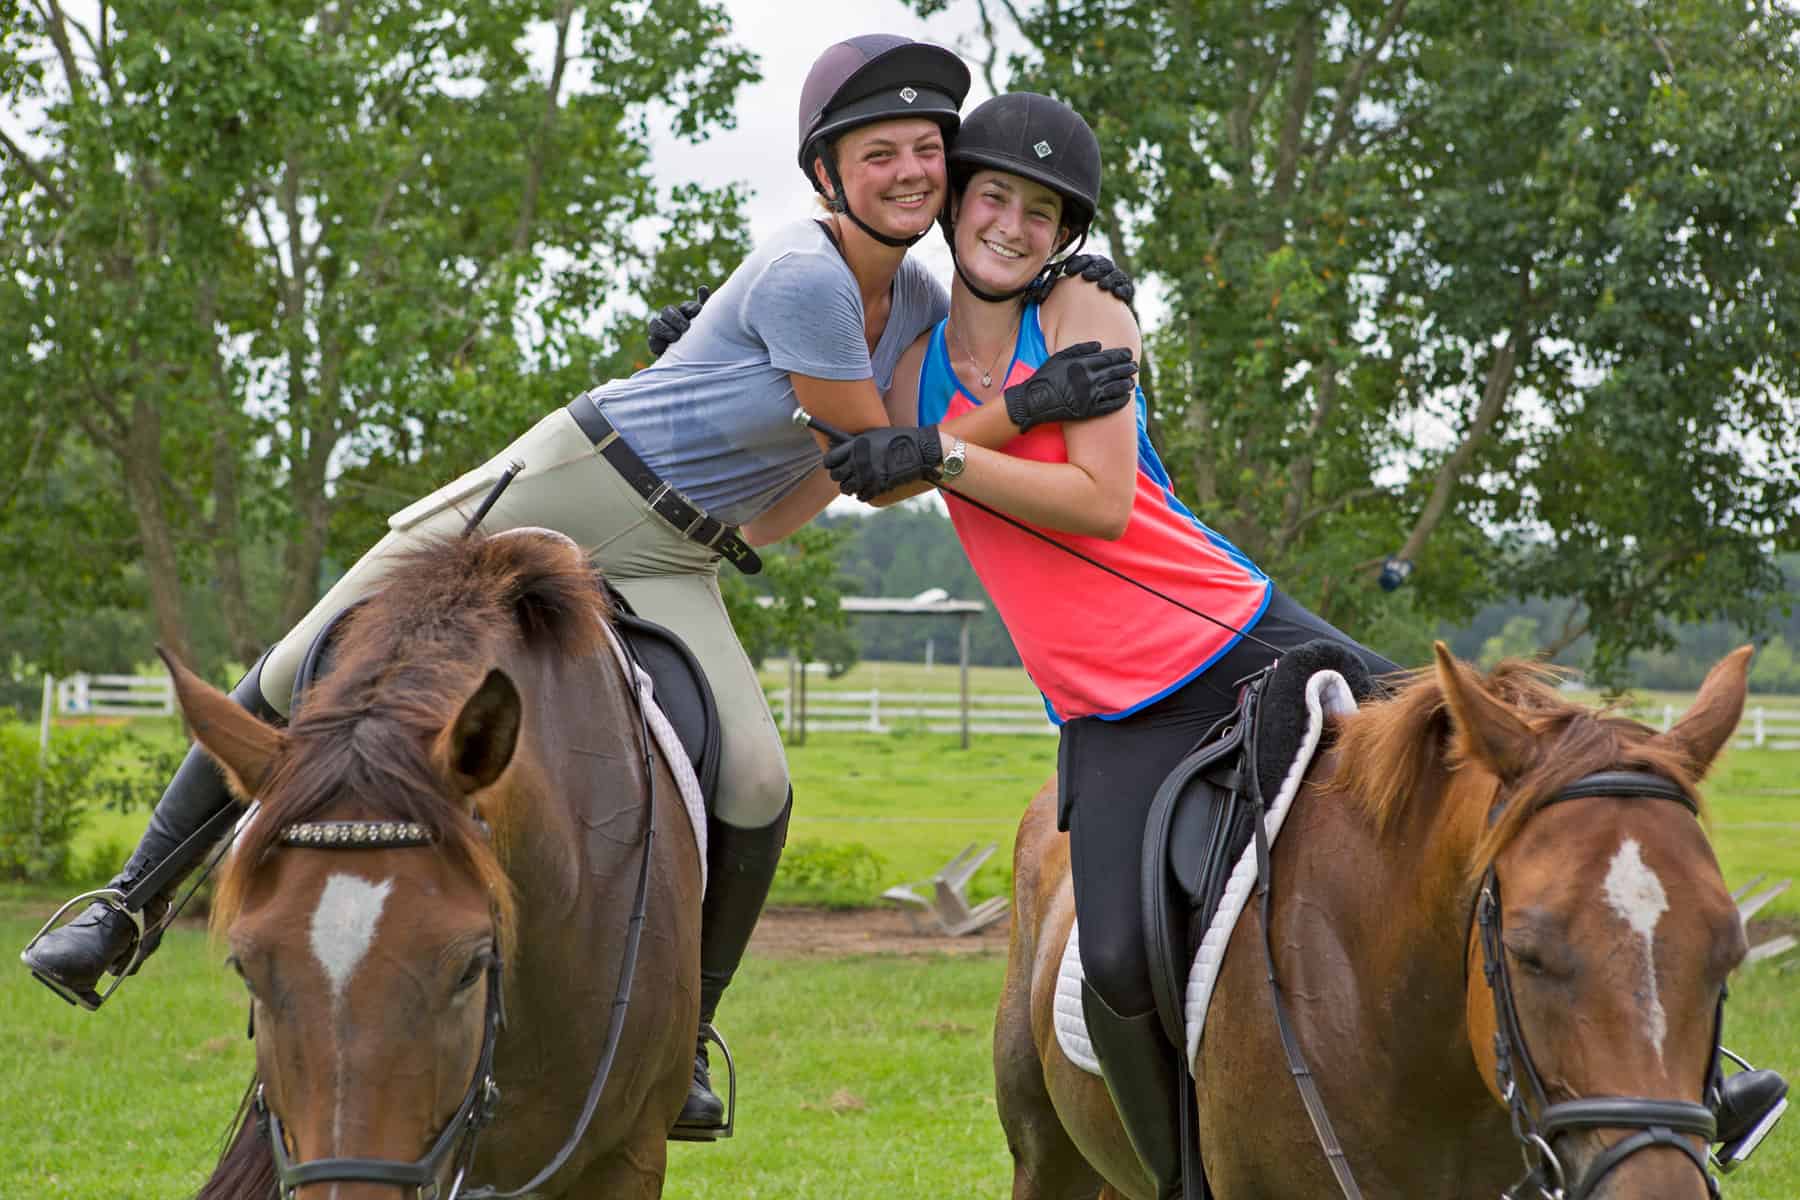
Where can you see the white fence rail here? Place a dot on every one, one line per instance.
(115, 696)
(876, 711)
(1763, 727)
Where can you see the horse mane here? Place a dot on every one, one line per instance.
(403, 666)
(1396, 754)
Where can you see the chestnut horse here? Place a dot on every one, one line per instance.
(1617, 929)
(456, 825)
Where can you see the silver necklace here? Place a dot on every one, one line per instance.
(987, 376)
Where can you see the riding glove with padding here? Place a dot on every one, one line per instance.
(667, 326)
(874, 463)
(1097, 269)
(1074, 384)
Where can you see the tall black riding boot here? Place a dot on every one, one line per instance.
(72, 959)
(1143, 1075)
(740, 865)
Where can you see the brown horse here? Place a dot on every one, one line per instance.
(480, 733)
(1617, 928)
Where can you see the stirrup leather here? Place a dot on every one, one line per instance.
(114, 899)
(691, 1133)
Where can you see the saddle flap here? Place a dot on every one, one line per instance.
(681, 689)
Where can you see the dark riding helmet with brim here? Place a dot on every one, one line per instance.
(1040, 139)
(875, 77)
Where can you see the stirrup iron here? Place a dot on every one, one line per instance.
(1729, 1156)
(678, 1134)
(114, 899)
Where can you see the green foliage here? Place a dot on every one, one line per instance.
(1509, 288)
(818, 871)
(46, 800)
(268, 272)
(1518, 638)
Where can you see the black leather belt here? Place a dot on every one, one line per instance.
(665, 501)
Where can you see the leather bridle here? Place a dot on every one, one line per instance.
(455, 1143)
(1536, 1125)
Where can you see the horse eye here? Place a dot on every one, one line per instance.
(478, 967)
(1528, 960)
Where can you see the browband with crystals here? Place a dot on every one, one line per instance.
(353, 835)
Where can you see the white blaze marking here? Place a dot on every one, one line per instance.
(343, 926)
(1637, 895)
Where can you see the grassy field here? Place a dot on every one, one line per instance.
(883, 1088)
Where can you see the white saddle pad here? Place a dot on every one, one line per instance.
(669, 742)
(1326, 695)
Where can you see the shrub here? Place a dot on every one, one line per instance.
(823, 872)
(45, 799)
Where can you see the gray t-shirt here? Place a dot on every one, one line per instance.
(714, 416)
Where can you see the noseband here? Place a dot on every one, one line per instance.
(455, 1145)
(1658, 1122)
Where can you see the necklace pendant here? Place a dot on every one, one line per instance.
(987, 381)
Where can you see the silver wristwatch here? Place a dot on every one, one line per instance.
(954, 461)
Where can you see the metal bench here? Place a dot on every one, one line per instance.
(941, 904)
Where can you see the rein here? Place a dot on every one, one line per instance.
(455, 1143)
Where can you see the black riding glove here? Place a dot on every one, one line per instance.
(874, 463)
(1097, 269)
(1074, 384)
(667, 326)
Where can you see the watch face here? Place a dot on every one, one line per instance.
(953, 462)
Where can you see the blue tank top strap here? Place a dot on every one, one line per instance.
(937, 383)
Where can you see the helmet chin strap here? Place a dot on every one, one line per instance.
(1031, 284)
(839, 203)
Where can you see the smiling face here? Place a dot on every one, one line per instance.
(1007, 227)
(893, 174)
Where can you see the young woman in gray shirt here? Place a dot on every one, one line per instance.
(661, 475)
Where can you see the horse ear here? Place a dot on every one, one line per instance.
(1705, 728)
(478, 745)
(240, 742)
(1490, 732)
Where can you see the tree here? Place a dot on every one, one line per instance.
(1508, 291)
(247, 244)
(807, 595)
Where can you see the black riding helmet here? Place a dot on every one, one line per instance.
(1041, 139)
(875, 77)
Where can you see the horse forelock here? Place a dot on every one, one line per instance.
(405, 663)
(1399, 753)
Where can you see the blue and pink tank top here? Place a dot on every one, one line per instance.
(1093, 644)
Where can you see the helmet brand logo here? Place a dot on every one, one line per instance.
(1043, 149)
(908, 95)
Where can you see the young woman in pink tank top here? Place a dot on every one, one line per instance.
(1134, 681)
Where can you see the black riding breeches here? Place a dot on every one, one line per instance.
(1109, 772)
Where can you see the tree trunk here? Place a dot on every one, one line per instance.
(142, 468)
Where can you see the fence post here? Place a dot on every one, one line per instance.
(37, 796)
(1668, 717)
(1760, 732)
(874, 710)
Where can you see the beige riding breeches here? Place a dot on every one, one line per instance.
(567, 486)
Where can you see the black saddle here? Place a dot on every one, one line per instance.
(681, 688)
(1201, 818)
